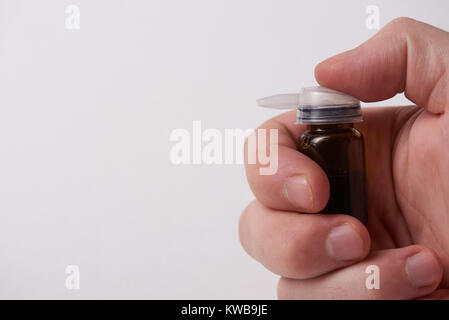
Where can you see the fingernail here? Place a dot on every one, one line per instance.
(298, 193)
(343, 243)
(422, 269)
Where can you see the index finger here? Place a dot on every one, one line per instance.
(298, 184)
(405, 56)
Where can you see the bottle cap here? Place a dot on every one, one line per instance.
(317, 105)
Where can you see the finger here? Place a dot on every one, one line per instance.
(406, 55)
(405, 273)
(301, 246)
(298, 184)
(442, 294)
(379, 127)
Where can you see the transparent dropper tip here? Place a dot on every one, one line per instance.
(280, 101)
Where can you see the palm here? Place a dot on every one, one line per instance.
(407, 169)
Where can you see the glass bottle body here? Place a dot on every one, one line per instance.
(339, 150)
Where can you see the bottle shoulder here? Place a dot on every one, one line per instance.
(328, 137)
(334, 132)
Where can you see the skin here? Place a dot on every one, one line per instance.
(407, 163)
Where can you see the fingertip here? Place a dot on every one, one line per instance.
(364, 234)
(441, 294)
(299, 184)
(333, 71)
(307, 192)
(320, 188)
(349, 240)
(423, 268)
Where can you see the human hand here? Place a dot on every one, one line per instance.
(407, 181)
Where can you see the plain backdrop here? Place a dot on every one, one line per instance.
(85, 120)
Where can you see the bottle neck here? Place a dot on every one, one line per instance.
(325, 127)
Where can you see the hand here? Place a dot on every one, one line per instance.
(407, 162)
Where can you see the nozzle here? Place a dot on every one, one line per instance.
(280, 101)
(317, 105)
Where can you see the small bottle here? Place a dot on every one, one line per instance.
(332, 142)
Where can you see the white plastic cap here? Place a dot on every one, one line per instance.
(317, 105)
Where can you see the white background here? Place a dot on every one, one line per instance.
(85, 119)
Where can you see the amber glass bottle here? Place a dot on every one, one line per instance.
(339, 150)
(332, 142)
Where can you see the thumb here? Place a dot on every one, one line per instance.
(406, 55)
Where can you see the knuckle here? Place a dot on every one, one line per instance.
(401, 23)
(294, 253)
(251, 207)
(243, 225)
